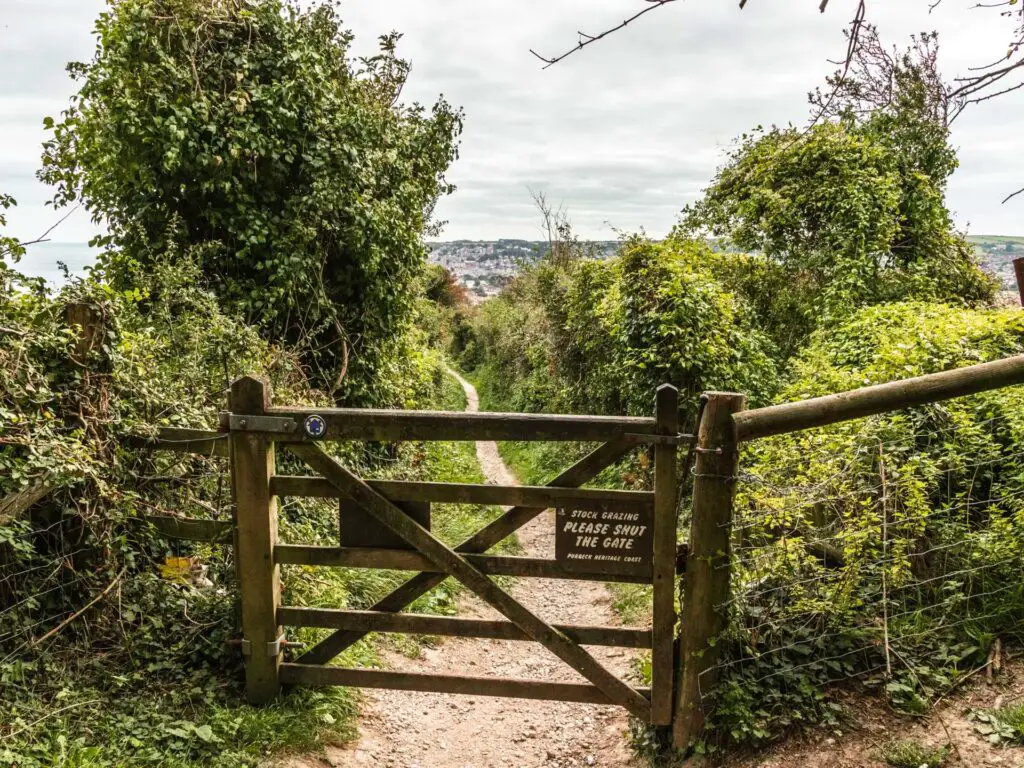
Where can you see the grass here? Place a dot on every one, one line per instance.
(169, 694)
(1001, 726)
(1013, 718)
(909, 753)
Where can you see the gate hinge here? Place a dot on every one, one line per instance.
(240, 422)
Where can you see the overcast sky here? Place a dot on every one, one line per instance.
(622, 134)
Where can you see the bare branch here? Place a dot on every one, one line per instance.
(585, 39)
(1013, 195)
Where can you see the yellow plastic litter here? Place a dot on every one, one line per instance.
(176, 569)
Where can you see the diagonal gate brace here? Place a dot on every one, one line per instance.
(497, 530)
(451, 562)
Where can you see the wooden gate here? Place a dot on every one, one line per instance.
(602, 535)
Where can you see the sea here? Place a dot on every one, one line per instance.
(45, 260)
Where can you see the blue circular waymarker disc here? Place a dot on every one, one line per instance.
(315, 426)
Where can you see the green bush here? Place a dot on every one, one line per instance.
(912, 754)
(894, 542)
(146, 676)
(593, 336)
(246, 130)
(1004, 725)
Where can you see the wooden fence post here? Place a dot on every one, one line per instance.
(666, 413)
(252, 466)
(706, 586)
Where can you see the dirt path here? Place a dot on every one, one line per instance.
(426, 730)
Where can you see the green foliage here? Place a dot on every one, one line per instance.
(1001, 726)
(443, 310)
(243, 129)
(10, 248)
(900, 533)
(601, 336)
(163, 690)
(145, 676)
(912, 754)
(854, 211)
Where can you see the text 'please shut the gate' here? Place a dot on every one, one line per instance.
(605, 541)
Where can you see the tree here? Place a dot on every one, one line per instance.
(243, 130)
(854, 208)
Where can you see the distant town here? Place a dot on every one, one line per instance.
(486, 266)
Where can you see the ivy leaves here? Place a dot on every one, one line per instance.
(854, 210)
(244, 129)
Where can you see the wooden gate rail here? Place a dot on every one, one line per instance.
(410, 560)
(452, 626)
(315, 675)
(868, 401)
(491, 534)
(202, 441)
(544, 497)
(367, 424)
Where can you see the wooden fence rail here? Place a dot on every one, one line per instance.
(724, 426)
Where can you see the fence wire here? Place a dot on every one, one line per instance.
(875, 554)
(57, 557)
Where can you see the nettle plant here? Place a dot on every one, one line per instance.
(245, 129)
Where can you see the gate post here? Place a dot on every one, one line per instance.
(706, 587)
(252, 465)
(666, 414)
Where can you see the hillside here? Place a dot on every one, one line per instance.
(485, 266)
(996, 253)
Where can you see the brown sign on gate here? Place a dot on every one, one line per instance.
(605, 541)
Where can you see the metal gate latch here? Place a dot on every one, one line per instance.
(240, 422)
(273, 649)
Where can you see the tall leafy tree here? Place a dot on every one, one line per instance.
(853, 206)
(245, 131)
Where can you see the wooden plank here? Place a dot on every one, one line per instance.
(252, 464)
(179, 440)
(192, 529)
(512, 520)
(315, 675)
(446, 559)
(358, 528)
(368, 424)
(544, 497)
(14, 505)
(706, 585)
(867, 401)
(449, 626)
(666, 407)
(410, 560)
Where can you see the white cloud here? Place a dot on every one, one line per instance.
(627, 131)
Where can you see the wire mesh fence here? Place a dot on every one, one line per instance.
(886, 552)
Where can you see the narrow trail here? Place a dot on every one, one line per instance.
(429, 730)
